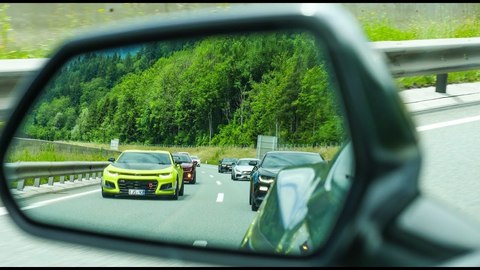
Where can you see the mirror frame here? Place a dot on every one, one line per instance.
(366, 90)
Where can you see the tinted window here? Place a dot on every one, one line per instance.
(183, 158)
(139, 157)
(279, 160)
(243, 162)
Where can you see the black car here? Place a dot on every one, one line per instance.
(225, 164)
(297, 191)
(264, 174)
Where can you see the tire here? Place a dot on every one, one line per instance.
(106, 195)
(233, 178)
(250, 199)
(254, 207)
(181, 189)
(175, 196)
(194, 180)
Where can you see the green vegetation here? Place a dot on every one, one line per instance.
(218, 91)
(381, 28)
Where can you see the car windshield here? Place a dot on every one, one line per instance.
(243, 162)
(280, 160)
(183, 158)
(142, 157)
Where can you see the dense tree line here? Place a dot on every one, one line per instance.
(222, 90)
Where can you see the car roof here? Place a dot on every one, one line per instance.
(292, 152)
(146, 151)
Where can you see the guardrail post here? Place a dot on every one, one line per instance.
(50, 181)
(72, 178)
(87, 176)
(80, 177)
(36, 182)
(441, 84)
(62, 179)
(20, 184)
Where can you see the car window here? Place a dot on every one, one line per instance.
(279, 160)
(243, 162)
(184, 158)
(138, 157)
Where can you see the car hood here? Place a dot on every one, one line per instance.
(187, 165)
(243, 168)
(140, 166)
(269, 171)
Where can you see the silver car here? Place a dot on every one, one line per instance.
(242, 169)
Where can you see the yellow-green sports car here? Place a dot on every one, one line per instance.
(143, 173)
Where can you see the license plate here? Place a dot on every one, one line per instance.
(140, 192)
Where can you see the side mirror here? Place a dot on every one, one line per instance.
(111, 159)
(260, 55)
(253, 163)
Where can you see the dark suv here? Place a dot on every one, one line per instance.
(225, 164)
(265, 173)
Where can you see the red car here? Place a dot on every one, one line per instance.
(189, 167)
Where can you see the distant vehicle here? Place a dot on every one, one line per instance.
(265, 173)
(188, 166)
(225, 164)
(196, 159)
(184, 153)
(243, 168)
(143, 173)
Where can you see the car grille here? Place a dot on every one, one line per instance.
(140, 174)
(148, 185)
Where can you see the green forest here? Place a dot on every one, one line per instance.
(219, 90)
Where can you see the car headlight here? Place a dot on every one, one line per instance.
(266, 179)
(111, 173)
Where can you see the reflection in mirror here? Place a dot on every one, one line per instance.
(218, 98)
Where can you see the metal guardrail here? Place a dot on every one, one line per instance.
(19, 171)
(431, 57)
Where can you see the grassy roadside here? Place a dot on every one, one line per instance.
(378, 26)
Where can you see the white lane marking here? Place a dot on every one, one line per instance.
(219, 183)
(40, 204)
(3, 211)
(220, 197)
(211, 176)
(449, 123)
(200, 243)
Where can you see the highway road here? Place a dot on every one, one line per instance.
(215, 211)
(451, 156)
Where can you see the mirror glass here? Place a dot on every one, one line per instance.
(99, 149)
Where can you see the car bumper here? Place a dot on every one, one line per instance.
(258, 197)
(188, 176)
(241, 176)
(138, 187)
